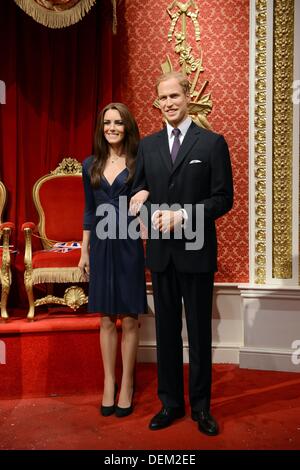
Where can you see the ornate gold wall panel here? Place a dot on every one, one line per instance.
(260, 142)
(282, 138)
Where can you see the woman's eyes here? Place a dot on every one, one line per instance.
(117, 123)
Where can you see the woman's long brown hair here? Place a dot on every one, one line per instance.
(101, 146)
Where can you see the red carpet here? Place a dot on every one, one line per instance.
(255, 410)
(57, 360)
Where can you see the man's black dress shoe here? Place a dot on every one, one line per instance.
(165, 417)
(206, 423)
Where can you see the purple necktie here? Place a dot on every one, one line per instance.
(176, 144)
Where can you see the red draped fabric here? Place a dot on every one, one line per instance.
(56, 80)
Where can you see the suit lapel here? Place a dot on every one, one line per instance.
(164, 148)
(189, 141)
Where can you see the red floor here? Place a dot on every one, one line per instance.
(255, 410)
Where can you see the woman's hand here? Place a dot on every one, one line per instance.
(84, 264)
(137, 201)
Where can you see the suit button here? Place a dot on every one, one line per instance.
(171, 185)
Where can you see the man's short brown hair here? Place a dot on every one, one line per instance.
(182, 80)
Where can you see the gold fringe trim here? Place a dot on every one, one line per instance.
(40, 275)
(61, 19)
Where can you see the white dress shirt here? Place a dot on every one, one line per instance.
(183, 127)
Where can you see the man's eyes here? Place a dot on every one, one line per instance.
(163, 98)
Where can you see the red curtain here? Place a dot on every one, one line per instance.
(56, 80)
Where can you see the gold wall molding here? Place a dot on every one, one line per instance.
(260, 141)
(283, 47)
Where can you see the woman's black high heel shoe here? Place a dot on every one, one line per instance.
(109, 410)
(122, 412)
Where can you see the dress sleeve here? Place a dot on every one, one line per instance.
(89, 209)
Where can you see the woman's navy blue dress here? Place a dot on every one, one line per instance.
(117, 274)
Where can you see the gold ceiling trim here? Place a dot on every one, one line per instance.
(260, 141)
(60, 14)
(283, 138)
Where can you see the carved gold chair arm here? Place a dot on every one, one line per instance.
(28, 228)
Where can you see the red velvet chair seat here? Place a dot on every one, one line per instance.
(52, 266)
(52, 259)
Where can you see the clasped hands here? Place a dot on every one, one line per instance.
(165, 221)
(162, 220)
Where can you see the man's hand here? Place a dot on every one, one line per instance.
(166, 221)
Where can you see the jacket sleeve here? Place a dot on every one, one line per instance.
(140, 183)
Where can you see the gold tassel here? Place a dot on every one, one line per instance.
(56, 19)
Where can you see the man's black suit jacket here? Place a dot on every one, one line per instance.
(201, 174)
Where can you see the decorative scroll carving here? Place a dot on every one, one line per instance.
(68, 166)
(201, 104)
(73, 297)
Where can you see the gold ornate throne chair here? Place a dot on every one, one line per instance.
(59, 200)
(5, 273)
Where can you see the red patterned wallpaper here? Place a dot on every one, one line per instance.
(224, 25)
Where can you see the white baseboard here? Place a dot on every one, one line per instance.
(222, 354)
(227, 328)
(257, 327)
(271, 324)
(268, 359)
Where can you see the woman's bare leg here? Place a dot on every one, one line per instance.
(129, 345)
(109, 344)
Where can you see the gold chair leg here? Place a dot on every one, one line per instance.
(5, 273)
(29, 290)
(4, 296)
(28, 273)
